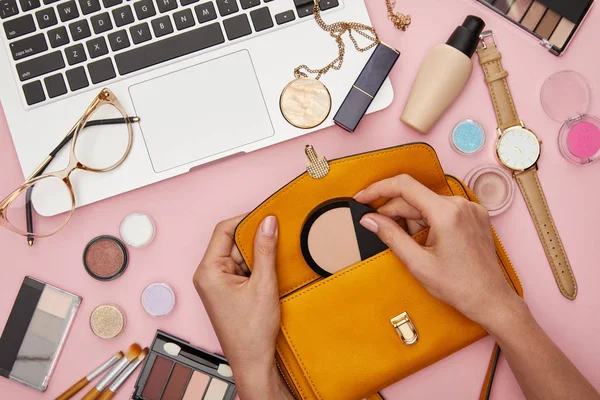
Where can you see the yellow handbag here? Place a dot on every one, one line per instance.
(354, 333)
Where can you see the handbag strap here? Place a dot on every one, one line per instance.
(486, 390)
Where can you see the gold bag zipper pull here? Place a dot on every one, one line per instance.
(317, 167)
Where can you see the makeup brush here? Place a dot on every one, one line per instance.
(132, 354)
(112, 389)
(73, 390)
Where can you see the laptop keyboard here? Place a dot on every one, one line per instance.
(60, 47)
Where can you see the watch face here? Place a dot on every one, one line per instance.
(518, 148)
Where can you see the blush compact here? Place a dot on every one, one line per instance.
(566, 97)
(333, 239)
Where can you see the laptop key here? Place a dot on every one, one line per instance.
(328, 4)
(101, 70)
(75, 54)
(140, 33)
(89, 6)
(183, 19)
(28, 47)
(162, 26)
(58, 37)
(46, 18)
(305, 11)
(227, 7)
(8, 8)
(261, 19)
(101, 23)
(144, 9)
(205, 12)
(28, 5)
(34, 93)
(118, 40)
(166, 5)
(19, 26)
(188, 2)
(285, 16)
(55, 85)
(249, 3)
(41, 65)
(97, 47)
(167, 49)
(237, 26)
(111, 3)
(122, 15)
(77, 78)
(80, 30)
(67, 11)
(46, 2)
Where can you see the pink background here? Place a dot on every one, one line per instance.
(185, 210)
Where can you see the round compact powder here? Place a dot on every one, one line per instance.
(584, 140)
(468, 137)
(158, 299)
(107, 321)
(137, 230)
(105, 258)
(493, 187)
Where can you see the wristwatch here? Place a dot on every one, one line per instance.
(519, 150)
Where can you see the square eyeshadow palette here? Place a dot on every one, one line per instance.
(176, 370)
(35, 332)
(554, 22)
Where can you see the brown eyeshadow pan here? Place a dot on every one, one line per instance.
(534, 15)
(158, 378)
(105, 258)
(547, 24)
(562, 32)
(518, 9)
(177, 383)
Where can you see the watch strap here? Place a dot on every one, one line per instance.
(495, 77)
(538, 208)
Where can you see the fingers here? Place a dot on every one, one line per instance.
(406, 187)
(400, 242)
(265, 252)
(398, 207)
(221, 242)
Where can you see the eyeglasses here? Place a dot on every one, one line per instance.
(38, 198)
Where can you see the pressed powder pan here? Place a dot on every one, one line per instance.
(333, 239)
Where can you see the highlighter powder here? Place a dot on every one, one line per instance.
(158, 299)
(107, 321)
(105, 258)
(493, 187)
(137, 230)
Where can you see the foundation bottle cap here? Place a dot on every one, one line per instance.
(466, 37)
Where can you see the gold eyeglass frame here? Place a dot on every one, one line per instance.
(105, 97)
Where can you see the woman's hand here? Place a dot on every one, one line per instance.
(244, 309)
(458, 263)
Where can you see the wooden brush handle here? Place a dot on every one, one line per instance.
(92, 394)
(73, 390)
(106, 395)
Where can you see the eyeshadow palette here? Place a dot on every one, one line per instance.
(554, 22)
(176, 370)
(35, 332)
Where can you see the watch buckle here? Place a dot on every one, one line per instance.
(484, 36)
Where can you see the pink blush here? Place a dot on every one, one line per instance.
(584, 140)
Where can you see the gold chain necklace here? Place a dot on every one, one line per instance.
(400, 21)
(306, 102)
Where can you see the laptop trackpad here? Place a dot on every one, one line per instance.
(201, 111)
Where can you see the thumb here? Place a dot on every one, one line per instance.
(396, 238)
(265, 252)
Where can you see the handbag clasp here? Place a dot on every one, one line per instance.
(317, 167)
(405, 329)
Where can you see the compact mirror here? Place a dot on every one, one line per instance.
(333, 239)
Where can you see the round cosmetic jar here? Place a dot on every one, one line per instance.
(105, 258)
(493, 186)
(566, 97)
(158, 299)
(467, 137)
(137, 230)
(107, 321)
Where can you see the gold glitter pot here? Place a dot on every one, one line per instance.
(107, 321)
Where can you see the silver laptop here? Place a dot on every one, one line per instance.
(204, 76)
